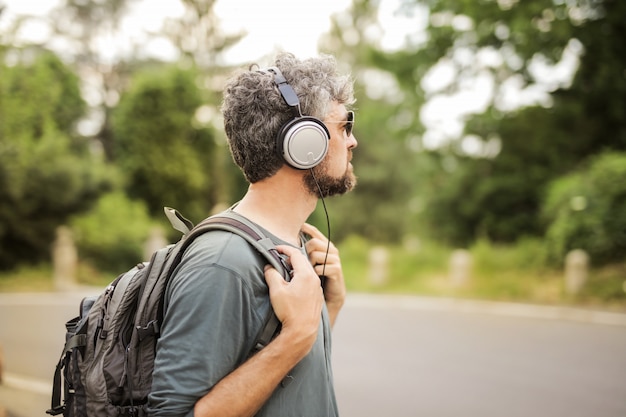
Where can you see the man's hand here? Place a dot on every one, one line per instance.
(297, 303)
(334, 286)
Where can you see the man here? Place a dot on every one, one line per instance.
(290, 132)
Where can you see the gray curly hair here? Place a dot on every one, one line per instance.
(254, 110)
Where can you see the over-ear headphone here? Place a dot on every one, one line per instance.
(303, 141)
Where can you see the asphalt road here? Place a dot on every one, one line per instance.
(398, 357)
(398, 361)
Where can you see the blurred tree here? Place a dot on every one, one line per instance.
(387, 160)
(112, 236)
(582, 116)
(82, 25)
(198, 36)
(167, 160)
(587, 210)
(88, 25)
(46, 173)
(87, 32)
(200, 42)
(523, 125)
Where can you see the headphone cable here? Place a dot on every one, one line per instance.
(319, 189)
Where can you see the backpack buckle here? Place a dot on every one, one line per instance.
(55, 411)
(150, 329)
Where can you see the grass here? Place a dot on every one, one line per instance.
(518, 273)
(27, 279)
(38, 278)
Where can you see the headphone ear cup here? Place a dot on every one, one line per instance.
(303, 142)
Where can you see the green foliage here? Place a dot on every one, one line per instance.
(166, 157)
(495, 196)
(516, 273)
(537, 144)
(167, 161)
(112, 235)
(354, 257)
(527, 254)
(453, 213)
(39, 90)
(415, 267)
(380, 206)
(607, 284)
(46, 175)
(27, 278)
(587, 210)
(507, 272)
(418, 269)
(513, 272)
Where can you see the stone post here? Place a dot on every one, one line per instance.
(576, 270)
(64, 259)
(378, 265)
(460, 267)
(156, 240)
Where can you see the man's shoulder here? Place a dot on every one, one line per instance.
(221, 247)
(217, 259)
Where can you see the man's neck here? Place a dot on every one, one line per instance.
(279, 204)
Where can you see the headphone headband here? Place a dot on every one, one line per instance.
(303, 141)
(289, 95)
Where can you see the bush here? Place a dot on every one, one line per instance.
(587, 210)
(112, 235)
(511, 271)
(527, 254)
(165, 158)
(414, 267)
(47, 174)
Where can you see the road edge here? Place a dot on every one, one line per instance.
(546, 312)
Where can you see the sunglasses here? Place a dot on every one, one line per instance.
(349, 122)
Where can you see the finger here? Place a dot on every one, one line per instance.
(287, 249)
(319, 257)
(316, 242)
(272, 276)
(297, 258)
(326, 270)
(312, 246)
(313, 231)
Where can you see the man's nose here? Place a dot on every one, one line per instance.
(352, 142)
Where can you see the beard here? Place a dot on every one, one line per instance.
(319, 183)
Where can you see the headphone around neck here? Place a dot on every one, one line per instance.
(302, 141)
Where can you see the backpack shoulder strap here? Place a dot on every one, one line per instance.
(239, 225)
(231, 222)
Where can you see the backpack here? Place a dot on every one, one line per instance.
(106, 364)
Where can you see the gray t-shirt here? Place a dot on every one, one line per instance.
(215, 306)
